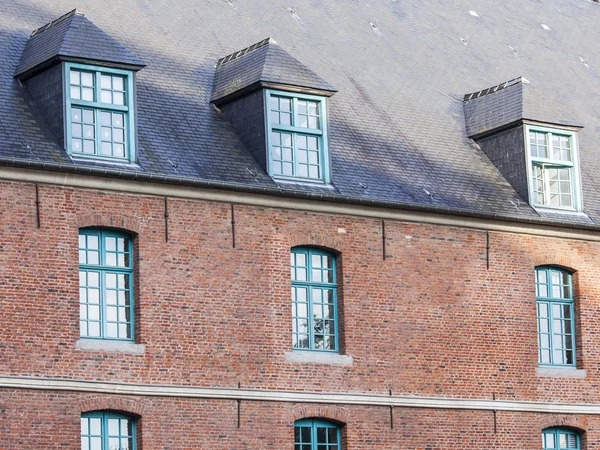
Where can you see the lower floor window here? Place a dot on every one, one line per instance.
(560, 439)
(314, 434)
(102, 430)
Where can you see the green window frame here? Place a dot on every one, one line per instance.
(314, 300)
(106, 285)
(107, 430)
(297, 136)
(555, 317)
(99, 115)
(553, 168)
(557, 438)
(316, 434)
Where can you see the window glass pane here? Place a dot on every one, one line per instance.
(321, 435)
(106, 96)
(118, 83)
(538, 144)
(75, 77)
(285, 104)
(333, 435)
(87, 79)
(119, 98)
(87, 94)
(75, 92)
(549, 441)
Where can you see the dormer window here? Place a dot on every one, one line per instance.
(82, 81)
(553, 168)
(99, 112)
(297, 136)
(278, 107)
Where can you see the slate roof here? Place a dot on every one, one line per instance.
(74, 37)
(511, 102)
(397, 125)
(263, 62)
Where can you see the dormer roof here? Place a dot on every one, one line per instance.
(510, 103)
(73, 37)
(264, 64)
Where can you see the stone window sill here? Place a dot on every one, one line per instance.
(334, 359)
(110, 346)
(566, 372)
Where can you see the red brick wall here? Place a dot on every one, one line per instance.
(430, 320)
(212, 424)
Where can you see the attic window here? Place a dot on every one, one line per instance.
(554, 168)
(297, 136)
(100, 122)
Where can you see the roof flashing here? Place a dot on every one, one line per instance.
(509, 104)
(55, 22)
(264, 65)
(72, 37)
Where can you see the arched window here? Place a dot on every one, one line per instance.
(314, 300)
(107, 430)
(555, 313)
(315, 434)
(105, 284)
(561, 439)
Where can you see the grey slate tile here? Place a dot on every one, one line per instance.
(397, 124)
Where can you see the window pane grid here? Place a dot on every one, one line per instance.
(105, 292)
(552, 169)
(83, 130)
(107, 431)
(295, 152)
(112, 89)
(560, 439)
(113, 134)
(555, 312)
(99, 112)
(312, 434)
(314, 300)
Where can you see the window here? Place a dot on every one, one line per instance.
(105, 284)
(313, 434)
(560, 438)
(297, 137)
(314, 300)
(102, 430)
(100, 113)
(555, 313)
(554, 168)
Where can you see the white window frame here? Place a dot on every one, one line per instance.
(574, 164)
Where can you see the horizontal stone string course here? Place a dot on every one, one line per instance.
(295, 397)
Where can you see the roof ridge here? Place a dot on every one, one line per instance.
(245, 51)
(496, 88)
(55, 22)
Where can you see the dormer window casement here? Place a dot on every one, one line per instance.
(83, 82)
(554, 168)
(278, 107)
(534, 148)
(297, 138)
(99, 112)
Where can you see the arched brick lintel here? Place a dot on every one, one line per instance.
(317, 240)
(112, 403)
(551, 259)
(555, 420)
(109, 221)
(333, 413)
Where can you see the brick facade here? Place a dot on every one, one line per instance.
(429, 321)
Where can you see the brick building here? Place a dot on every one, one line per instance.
(333, 225)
